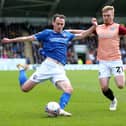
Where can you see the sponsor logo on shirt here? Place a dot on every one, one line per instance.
(106, 35)
(58, 39)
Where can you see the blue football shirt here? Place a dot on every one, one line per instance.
(55, 44)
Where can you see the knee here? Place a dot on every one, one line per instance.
(69, 90)
(121, 86)
(24, 90)
(120, 82)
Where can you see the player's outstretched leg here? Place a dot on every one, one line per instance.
(22, 74)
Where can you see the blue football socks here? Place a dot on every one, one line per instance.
(64, 100)
(22, 77)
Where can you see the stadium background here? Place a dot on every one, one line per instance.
(88, 106)
(24, 17)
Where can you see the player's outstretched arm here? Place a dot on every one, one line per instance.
(80, 34)
(85, 33)
(18, 39)
(75, 31)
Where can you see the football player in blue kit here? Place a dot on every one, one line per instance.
(52, 68)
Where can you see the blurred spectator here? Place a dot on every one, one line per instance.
(5, 55)
(80, 61)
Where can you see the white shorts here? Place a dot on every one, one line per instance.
(107, 68)
(49, 70)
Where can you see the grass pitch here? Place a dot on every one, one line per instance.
(88, 106)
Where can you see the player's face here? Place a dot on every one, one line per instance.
(58, 24)
(108, 17)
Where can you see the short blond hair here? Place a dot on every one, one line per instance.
(106, 8)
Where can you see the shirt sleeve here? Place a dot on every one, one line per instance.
(41, 35)
(122, 30)
(71, 36)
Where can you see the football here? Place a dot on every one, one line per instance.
(53, 109)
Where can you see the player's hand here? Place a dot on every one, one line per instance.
(94, 21)
(5, 40)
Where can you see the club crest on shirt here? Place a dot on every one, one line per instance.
(64, 35)
(112, 28)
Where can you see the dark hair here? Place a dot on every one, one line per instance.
(58, 15)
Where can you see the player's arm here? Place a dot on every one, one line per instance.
(75, 31)
(85, 33)
(80, 34)
(18, 39)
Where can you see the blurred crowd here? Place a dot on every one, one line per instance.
(16, 50)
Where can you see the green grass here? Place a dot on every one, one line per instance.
(88, 106)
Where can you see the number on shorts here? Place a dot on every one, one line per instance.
(119, 69)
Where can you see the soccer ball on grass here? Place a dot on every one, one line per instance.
(53, 109)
